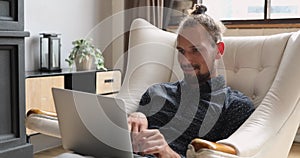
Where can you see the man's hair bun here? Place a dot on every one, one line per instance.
(199, 9)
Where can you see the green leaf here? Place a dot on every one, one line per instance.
(84, 49)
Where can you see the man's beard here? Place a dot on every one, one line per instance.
(197, 79)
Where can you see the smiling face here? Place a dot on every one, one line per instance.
(197, 53)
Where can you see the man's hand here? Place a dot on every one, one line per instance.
(151, 141)
(148, 141)
(137, 122)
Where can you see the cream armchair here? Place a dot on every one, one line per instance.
(264, 68)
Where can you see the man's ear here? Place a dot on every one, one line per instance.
(221, 48)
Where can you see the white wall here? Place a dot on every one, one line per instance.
(74, 19)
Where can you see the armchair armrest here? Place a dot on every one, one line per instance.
(42, 112)
(201, 144)
(43, 122)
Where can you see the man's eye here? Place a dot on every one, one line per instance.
(181, 51)
(195, 50)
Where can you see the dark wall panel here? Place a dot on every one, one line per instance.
(4, 9)
(12, 15)
(5, 93)
(12, 104)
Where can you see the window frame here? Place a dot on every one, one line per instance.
(262, 23)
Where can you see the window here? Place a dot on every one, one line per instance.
(254, 11)
(285, 9)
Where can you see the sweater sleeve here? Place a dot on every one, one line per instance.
(144, 106)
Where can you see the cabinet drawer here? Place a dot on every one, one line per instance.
(108, 82)
(39, 93)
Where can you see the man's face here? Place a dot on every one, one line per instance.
(197, 53)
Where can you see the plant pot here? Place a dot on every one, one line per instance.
(84, 65)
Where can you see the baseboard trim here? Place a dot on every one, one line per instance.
(43, 142)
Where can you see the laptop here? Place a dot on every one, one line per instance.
(92, 125)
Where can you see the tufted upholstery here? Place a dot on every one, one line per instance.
(265, 69)
(251, 63)
(274, 123)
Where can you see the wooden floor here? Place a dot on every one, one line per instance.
(50, 153)
(294, 153)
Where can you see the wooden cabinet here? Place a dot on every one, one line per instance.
(38, 92)
(38, 85)
(108, 82)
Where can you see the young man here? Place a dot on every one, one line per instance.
(170, 115)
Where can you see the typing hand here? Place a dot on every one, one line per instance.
(151, 141)
(137, 122)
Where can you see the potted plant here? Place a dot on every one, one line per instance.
(83, 54)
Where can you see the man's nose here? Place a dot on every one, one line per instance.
(188, 57)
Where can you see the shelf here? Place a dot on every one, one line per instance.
(14, 34)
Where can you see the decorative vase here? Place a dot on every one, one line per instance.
(84, 64)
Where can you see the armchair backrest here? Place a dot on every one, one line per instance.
(274, 81)
(251, 63)
(150, 60)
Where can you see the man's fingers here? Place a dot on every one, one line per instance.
(134, 128)
(143, 127)
(152, 150)
(153, 147)
(135, 146)
(137, 122)
(149, 133)
(151, 141)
